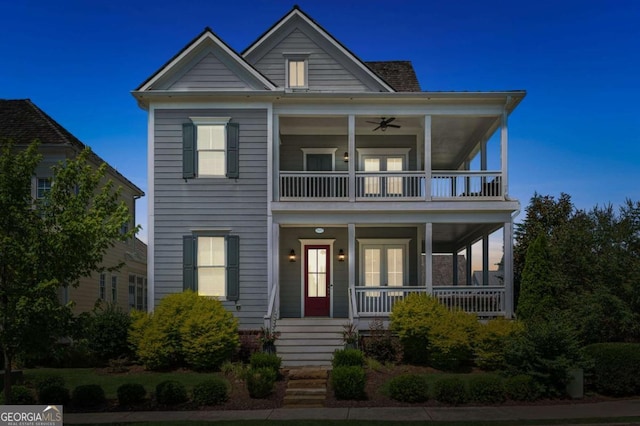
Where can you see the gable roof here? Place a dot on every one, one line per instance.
(399, 74)
(22, 121)
(297, 12)
(206, 35)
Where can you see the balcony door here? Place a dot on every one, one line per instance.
(317, 280)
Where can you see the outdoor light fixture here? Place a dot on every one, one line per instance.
(292, 256)
(346, 157)
(341, 256)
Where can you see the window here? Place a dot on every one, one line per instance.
(114, 289)
(102, 291)
(44, 186)
(384, 262)
(297, 73)
(210, 148)
(383, 162)
(139, 293)
(211, 265)
(132, 292)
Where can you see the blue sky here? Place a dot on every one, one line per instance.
(577, 131)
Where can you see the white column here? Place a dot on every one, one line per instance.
(352, 157)
(508, 268)
(469, 264)
(428, 257)
(485, 260)
(273, 159)
(351, 231)
(504, 142)
(275, 261)
(427, 157)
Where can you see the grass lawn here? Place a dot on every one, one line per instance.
(110, 382)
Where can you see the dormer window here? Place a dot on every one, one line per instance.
(297, 71)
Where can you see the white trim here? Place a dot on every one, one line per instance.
(364, 242)
(207, 35)
(296, 57)
(210, 121)
(311, 242)
(331, 151)
(382, 152)
(150, 209)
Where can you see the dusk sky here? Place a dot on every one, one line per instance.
(577, 131)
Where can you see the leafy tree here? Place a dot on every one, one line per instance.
(49, 243)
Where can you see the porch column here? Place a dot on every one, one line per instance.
(275, 265)
(352, 158)
(455, 268)
(504, 139)
(275, 159)
(485, 260)
(428, 257)
(351, 242)
(469, 265)
(508, 269)
(427, 158)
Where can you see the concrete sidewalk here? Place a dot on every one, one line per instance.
(621, 408)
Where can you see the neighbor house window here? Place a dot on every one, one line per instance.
(44, 186)
(102, 291)
(132, 292)
(210, 148)
(297, 71)
(114, 289)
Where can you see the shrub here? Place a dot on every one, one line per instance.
(131, 394)
(20, 395)
(348, 382)
(48, 380)
(263, 359)
(381, 345)
(450, 338)
(107, 332)
(185, 329)
(491, 340)
(521, 388)
(260, 382)
(616, 368)
(211, 392)
(249, 345)
(347, 358)
(409, 388)
(485, 388)
(450, 390)
(54, 394)
(171, 392)
(86, 396)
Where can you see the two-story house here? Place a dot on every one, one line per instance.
(22, 121)
(296, 182)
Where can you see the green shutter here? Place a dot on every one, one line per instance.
(189, 263)
(233, 149)
(233, 267)
(188, 150)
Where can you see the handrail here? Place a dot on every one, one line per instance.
(271, 312)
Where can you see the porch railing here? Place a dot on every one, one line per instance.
(323, 185)
(467, 183)
(385, 185)
(272, 311)
(481, 300)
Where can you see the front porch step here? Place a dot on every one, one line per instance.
(309, 341)
(306, 388)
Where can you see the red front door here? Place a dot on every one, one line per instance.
(316, 281)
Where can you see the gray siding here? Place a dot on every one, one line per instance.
(325, 72)
(291, 273)
(239, 205)
(209, 73)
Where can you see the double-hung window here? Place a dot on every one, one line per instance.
(43, 187)
(102, 290)
(114, 289)
(210, 148)
(297, 70)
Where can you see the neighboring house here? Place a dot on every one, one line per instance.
(22, 121)
(295, 181)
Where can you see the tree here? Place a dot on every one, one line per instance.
(49, 243)
(537, 291)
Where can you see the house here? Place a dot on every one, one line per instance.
(22, 121)
(296, 182)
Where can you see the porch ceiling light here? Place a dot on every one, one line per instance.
(346, 157)
(341, 256)
(292, 256)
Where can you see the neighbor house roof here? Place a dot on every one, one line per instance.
(22, 121)
(399, 74)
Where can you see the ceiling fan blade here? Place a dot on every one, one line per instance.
(373, 122)
(393, 125)
(390, 120)
(376, 128)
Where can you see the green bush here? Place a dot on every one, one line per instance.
(347, 358)
(521, 388)
(450, 340)
(348, 382)
(87, 396)
(381, 345)
(54, 394)
(491, 340)
(409, 388)
(616, 368)
(450, 390)
(260, 382)
(211, 392)
(171, 392)
(20, 395)
(107, 332)
(131, 394)
(263, 359)
(486, 389)
(48, 380)
(185, 330)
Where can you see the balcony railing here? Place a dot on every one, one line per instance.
(407, 185)
(484, 300)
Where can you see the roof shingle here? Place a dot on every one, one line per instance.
(398, 74)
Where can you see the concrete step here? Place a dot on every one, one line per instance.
(307, 363)
(304, 392)
(309, 383)
(307, 374)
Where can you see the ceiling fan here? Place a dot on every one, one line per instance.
(384, 123)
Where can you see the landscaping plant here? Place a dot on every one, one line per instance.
(616, 368)
(260, 382)
(211, 392)
(171, 392)
(485, 388)
(131, 394)
(348, 382)
(409, 388)
(88, 396)
(347, 358)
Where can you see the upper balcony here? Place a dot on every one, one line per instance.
(403, 158)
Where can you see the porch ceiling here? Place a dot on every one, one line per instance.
(448, 237)
(454, 138)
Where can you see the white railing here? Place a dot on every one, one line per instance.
(272, 313)
(385, 185)
(457, 184)
(480, 300)
(325, 185)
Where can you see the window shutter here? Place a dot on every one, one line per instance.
(188, 150)
(189, 263)
(233, 267)
(233, 148)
